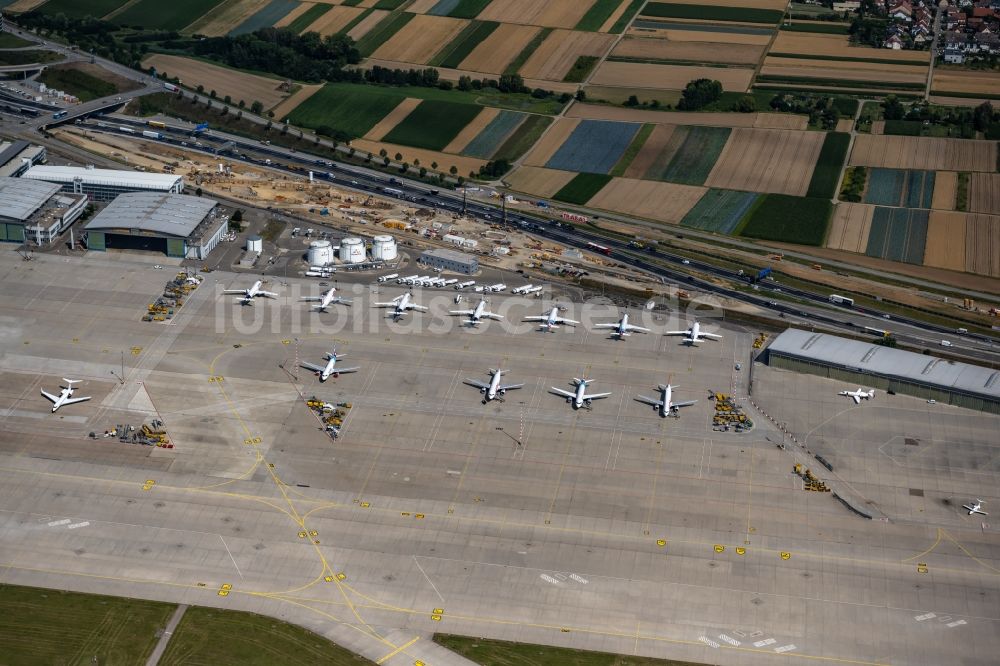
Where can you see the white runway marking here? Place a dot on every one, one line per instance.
(429, 581)
(231, 557)
(56, 523)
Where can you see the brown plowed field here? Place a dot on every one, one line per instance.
(668, 77)
(968, 81)
(767, 160)
(559, 52)
(945, 184)
(226, 16)
(365, 26)
(554, 137)
(878, 127)
(650, 150)
(538, 181)
(946, 240)
(472, 130)
(392, 119)
(817, 44)
(300, 96)
(982, 245)
(334, 20)
(931, 154)
(665, 202)
(420, 39)
(984, 193)
(444, 161)
(603, 112)
(850, 227)
(238, 85)
(844, 125)
(302, 8)
(843, 70)
(790, 121)
(660, 49)
(496, 51)
(549, 14)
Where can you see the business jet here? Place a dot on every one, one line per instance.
(326, 300)
(251, 293)
(401, 305)
(580, 398)
(494, 390)
(65, 396)
(330, 369)
(622, 328)
(552, 320)
(859, 395)
(476, 315)
(694, 334)
(973, 508)
(665, 405)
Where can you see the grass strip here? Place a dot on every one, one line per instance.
(633, 149)
(710, 12)
(598, 13)
(581, 69)
(523, 138)
(382, 32)
(522, 57)
(823, 28)
(466, 41)
(881, 61)
(308, 17)
(468, 9)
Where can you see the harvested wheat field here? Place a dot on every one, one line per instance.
(392, 119)
(965, 81)
(615, 15)
(845, 125)
(661, 49)
(495, 52)
(791, 121)
(984, 193)
(365, 25)
(420, 39)
(559, 52)
(818, 44)
(925, 153)
(238, 85)
(767, 160)
(946, 244)
(700, 36)
(298, 11)
(945, 185)
(549, 14)
(426, 157)
(19, 6)
(422, 6)
(605, 112)
(538, 181)
(650, 151)
(472, 130)
(664, 202)
(668, 77)
(843, 70)
(982, 244)
(223, 18)
(850, 226)
(554, 137)
(290, 103)
(334, 20)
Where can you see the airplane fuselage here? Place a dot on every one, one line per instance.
(64, 395)
(329, 371)
(494, 390)
(579, 400)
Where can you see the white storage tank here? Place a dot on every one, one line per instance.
(383, 248)
(320, 253)
(255, 244)
(352, 251)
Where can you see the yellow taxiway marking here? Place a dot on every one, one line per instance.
(397, 651)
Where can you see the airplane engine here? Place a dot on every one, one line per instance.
(587, 403)
(655, 408)
(482, 390)
(336, 375)
(502, 391)
(569, 400)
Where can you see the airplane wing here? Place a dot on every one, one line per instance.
(490, 315)
(638, 328)
(391, 304)
(311, 298)
(649, 401)
(535, 319)
(234, 291)
(856, 398)
(269, 294)
(311, 366)
(686, 403)
(710, 336)
(478, 384)
(605, 325)
(460, 312)
(559, 391)
(571, 322)
(49, 396)
(595, 396)
(72, 400)
(510, 387)
(676, 333)
(340, 371)
(345, 301)
(422, 308)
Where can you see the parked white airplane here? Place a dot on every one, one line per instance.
(975, 507)
(65, 396)
(580, 397)
(665, 405)
(390, 276)
(330, 369)
(623, 329)
(552, 320)
(494, 389)
(326, 300)
(859, 395)
(251, 293)
(694, 335)
(476, 315)
(401, 305)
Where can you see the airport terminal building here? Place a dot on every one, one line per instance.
(177, 225)
(105, 184)
(36, 212)
(16, 157)
(874, 366)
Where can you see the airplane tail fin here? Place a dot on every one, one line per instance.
(663, 387)
(72, 381)
(585, 382)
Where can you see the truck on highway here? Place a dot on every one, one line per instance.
(842, 300)
(127, 130)
(151, 135)
(171, 87)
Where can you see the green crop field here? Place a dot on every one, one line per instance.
(898, 234)
(581, 69)
(459, 49)
(826, 175)
(389, 4)
(352, 109)
(50, 626)
(719, 210)
(824, 28)
(711, 12)
(633, 149)
(788, 219)
(433, 124)
(582, 188)
(468, 9)
(627, 16)
(81, 8)
(523, 138)
(696, 156)
(597, 15)
(489, 652)
(381, 33)
(174, 15)
(308, 17)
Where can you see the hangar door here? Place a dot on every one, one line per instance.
(135, 242)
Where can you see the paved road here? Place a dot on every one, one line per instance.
(161, 645)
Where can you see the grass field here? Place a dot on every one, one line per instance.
(523, 138)
(828, 165)
(28, 57)
(79, 9)
(695, 157)
(433, 124)
(308, 17)
(490, 652)
(452, 55)
(582, 188)
(48, 626)
(898, 234)
(75, 82)
(711, 12)
(174, 15)
(638, 141)
(719, 210)
(381, 33)
(581, 69)
(599, 12)
(788, 219)
(352, 109)
(9, 41)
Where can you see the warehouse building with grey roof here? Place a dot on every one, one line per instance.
(888, 369)
(36, 212)
(177, 225)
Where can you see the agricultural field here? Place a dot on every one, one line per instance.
(238, 85)
(493, 135)
(595, 146)
(850, 226)
(493, 54)
(898, 234)
(765, 11)
(265, 17)
(391, 119)
(472, 35)
(582, 188)
(85, 81)
(156, 14)
(787, 219)
(984, 193)
(602, 15)
(18, 6)
(420, 39)
(354, 110)
(365, 23)
(638, 141)
(538, 181)
(687, 157)
(544, 149)
(808, 44)
(226, 17)
(982, 244)
(899, 187)
(945, 189)
(966, 83)
(335, 20)
(550, 14)
(668, 77)
(380, 32)
(555, 57)
(433, 124)
(946, 241)
(522, 139)
(74, 9)
(761, 160)
(650, 49)
(303, 16)
(826, 174)
(719, 211)
(475, 127)
(605, 112)
(663, 202)
(703, 32)
(463, 165)
(924, 153)
(844, 72)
